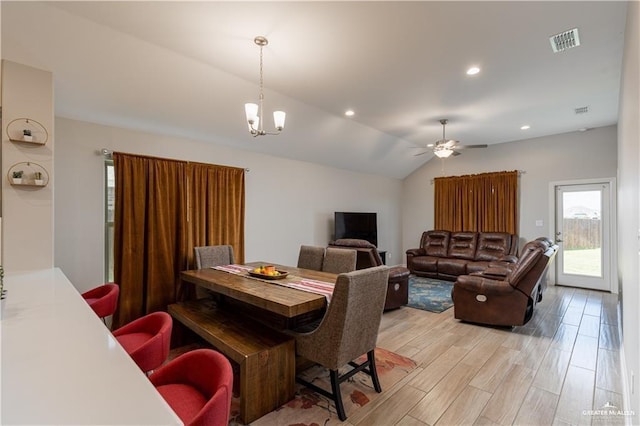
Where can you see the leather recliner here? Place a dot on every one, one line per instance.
(504, 295)
(367, 256)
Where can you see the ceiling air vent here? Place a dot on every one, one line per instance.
(565, 40)
(582, 110)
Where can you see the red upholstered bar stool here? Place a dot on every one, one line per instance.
(103, 299)
(147, 339)
(197, 386)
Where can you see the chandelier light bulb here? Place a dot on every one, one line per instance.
(252, 112)
(278, 119)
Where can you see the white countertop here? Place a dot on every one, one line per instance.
(61, 365)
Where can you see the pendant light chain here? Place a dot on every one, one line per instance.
(261, 93)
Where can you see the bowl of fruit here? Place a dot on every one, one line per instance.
(268, 272)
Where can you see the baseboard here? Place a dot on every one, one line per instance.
(626, 389)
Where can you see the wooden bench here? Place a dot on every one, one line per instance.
(266, 357)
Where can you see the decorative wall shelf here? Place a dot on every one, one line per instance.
(33, 175)
(27, 130)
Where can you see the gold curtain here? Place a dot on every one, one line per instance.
(486, 202)
(216, 196)
(153, 239)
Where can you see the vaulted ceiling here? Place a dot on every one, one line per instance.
(187, 68)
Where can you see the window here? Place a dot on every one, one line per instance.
(109, 214)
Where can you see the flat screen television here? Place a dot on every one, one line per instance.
(362, 226)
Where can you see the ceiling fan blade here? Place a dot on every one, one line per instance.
(454, 153)
(446, 143)
(471, 146)
(420, 153)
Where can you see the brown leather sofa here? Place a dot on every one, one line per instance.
(447, 255)
(367, 256)
(505, 294)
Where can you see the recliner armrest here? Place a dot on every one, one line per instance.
(483, 285)
(416, 252)
(495, 272)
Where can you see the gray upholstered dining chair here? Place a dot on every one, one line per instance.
(348, 330)
(208, 256)
(338, 261)
(311, 257)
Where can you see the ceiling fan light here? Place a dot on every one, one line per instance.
(443, 153)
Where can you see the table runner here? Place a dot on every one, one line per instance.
(299, 283)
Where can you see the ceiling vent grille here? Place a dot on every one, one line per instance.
(565, 40)
(582, 110)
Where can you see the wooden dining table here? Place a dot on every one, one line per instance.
(243, 322)
(265, 295)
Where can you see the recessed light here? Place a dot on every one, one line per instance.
(349, 113)
(473, 71)
(525, 127)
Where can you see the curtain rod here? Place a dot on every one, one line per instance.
(520, 173)
(107, 154)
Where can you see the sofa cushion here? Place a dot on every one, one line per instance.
(462, 245)
(447, 266)
(475, 266)
(435, 243)
(425, 263)
(493, 245)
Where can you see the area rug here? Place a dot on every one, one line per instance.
(308, 408)
(429, 294)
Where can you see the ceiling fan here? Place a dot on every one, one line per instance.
(444, 148)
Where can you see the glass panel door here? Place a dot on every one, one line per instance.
(582, 224)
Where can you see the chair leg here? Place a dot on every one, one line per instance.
(368, 367)
(337, 396)
(373, 371)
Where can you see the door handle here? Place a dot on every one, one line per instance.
(558, 241)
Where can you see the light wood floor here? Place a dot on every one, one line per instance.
(564, 361)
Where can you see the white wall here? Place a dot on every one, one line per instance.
(568, 156)
(27, 212)
(629, 204)
(288, 203)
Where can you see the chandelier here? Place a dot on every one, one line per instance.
(254, 111)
